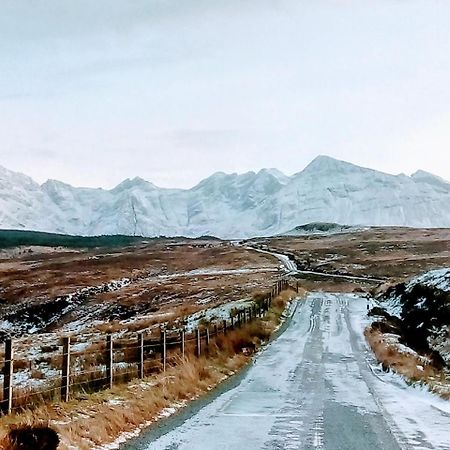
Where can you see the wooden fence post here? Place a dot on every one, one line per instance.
(207, 337)
(224, 324)
(198, 348)
(183, 342)
(141, 355)
(8, 377)
(215, 330)
(163, 349)
(109, 360)
(65, 382)
(232, 322)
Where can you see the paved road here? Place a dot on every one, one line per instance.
(312, 388)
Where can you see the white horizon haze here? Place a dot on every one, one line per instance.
(92, 93)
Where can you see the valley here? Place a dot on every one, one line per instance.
(49, 292)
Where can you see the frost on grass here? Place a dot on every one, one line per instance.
(423, 306)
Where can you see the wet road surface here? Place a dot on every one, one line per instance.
(312, 388)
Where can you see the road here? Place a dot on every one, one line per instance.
(315, 387)
(291, 269)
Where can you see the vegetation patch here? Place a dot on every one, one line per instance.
(413, 367)
(17, 238)
(412, 332)
(93, 420)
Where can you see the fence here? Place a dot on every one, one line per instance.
(120, 360)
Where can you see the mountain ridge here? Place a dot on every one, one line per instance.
(229, 205)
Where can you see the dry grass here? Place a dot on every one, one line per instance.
(390, 252)
(413, 367)
(91, 420)
(48, 275)
(159, 288)
(30, 437)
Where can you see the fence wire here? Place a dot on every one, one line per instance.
(99, 374)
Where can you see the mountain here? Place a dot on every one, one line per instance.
(229, 205)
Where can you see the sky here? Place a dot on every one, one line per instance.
(93, 92)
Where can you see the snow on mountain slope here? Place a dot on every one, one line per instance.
(24, 205)
(229, 205)
(334, 191)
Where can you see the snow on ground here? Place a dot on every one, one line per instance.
(420, 416)
(287, 264)
(216, 313)
(316, 386)
(33, 323)
(424, 309)
(217, 271)
(393, 306)
(439, 279)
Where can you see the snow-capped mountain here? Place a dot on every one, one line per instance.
(229, 205)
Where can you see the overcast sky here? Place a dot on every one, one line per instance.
(92, 92)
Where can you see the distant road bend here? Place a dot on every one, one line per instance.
(315, 387)
(291, 268)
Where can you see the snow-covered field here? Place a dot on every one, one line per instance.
(41, 352)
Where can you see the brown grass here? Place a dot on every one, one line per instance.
(411, 367)
(390, 252)
(90, 420)
(30, 437)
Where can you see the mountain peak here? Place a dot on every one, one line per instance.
(423, 176)
(9, 176)
(275, 173)
(230, 205)
(327, 161)
(136, 182)
(324, 163)
(55, 183)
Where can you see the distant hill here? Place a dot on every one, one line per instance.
(229, 205)
(319, 228)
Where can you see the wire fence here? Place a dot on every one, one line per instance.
(119, 361)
